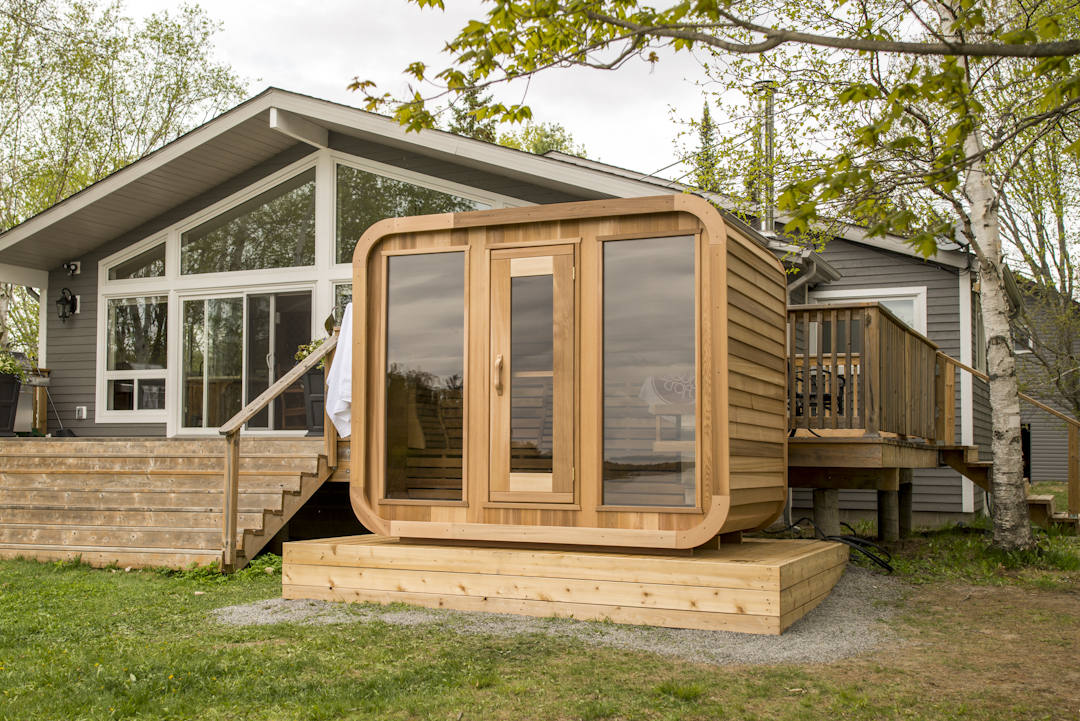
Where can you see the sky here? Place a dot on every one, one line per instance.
(626, 118)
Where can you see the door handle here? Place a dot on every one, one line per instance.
(497, 375)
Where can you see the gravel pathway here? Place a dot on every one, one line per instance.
(849, 622)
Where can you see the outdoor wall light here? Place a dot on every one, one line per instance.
(65, 305)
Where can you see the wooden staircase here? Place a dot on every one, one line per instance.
(148, 502)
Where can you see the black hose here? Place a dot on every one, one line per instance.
(861, 545)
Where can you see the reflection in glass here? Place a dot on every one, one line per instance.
(258, 361)
(213, 335)
(150, 264)
(151, 392)
(532, 350)
(425, 361)
(342, 297)
(194, 342)
(273, 230)
(364, 199)
(122, 395)
(649, 372)
(137, 333)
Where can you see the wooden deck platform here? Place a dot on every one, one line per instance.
(758, 586)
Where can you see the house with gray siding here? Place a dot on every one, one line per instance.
(198, 269)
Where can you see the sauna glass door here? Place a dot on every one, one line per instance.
(532, 375)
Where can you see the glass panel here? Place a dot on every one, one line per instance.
(364, 198)
(150, 264)
(224, 359)
(194, 335)
(649, 372)
(121, 395)
(342, 297)
(425, 361)
(292, 328)
(904, 309)
(137, 333)
(152, 394)
(258, 361)
(274, 230)
(532, 350)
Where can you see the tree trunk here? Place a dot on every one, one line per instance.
(1012, 525)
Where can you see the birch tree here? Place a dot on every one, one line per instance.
(915, 152)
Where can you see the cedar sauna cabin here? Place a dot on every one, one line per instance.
(598, 374)
(570, 409)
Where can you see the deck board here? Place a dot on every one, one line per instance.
(758, 586)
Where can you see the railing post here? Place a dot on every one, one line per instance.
(1074, 470)
(939, 397)
(231, 499)
(870, 361)
(330, 434)
(950, 403)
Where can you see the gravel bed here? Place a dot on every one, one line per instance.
(851, 621)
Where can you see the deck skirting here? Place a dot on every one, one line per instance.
(758, 586)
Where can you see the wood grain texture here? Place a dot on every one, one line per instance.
(751, 586)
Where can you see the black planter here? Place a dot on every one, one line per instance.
(314, 400)
(9, 403)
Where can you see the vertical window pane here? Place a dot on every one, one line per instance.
(273, 230)
(258, 370)
(342, 297)
(649, 372)
(150, 264)
(137, 333)
(224, 359)
(194, 339)
(151, 394)
(363, 199)
(532, 350)
(425, 361)
(121, 395)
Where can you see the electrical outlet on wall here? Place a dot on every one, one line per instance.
(80, 413)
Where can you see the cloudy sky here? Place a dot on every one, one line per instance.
(627, 118)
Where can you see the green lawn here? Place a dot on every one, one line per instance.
(98, 644)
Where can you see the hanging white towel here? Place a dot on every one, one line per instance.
(339, 382)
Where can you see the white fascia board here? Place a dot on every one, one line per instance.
(536, 169)
(138, 169)
(299, 128)
(18, 275)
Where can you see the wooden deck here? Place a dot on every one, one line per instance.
(147, 502)
(757, 586)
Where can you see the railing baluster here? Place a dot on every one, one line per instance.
(819, 378)
(793, 353)
(834, 380)
(230, 501)
(849, 378)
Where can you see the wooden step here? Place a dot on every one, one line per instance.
(248, 445)
(191, 500)
(250, 481)
(117, 517)
(149, 462)
(1064, 520)
(965, 461)
(123, 557)
(200, 539)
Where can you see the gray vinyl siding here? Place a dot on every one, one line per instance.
(444, 170)
(982, 417)
(72, 346)
(1049, 438)
(938, 489)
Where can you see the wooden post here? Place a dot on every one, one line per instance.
(827, 511)
(330, 434)
(1074, 470)
(907, 497)
(950, 403)
(871, 363)
(888, 515)
(231, 499)
(940, 366)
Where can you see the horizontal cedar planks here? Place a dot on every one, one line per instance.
(747, 496)
(755, 354)
(755, 273)
(759, 295)
(583, 612)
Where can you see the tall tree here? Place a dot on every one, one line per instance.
(706, 164)
(911, 99)
(463, 119)
(542, 138)
(84, 91)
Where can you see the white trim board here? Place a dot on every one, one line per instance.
(967, 388)
(917, 293)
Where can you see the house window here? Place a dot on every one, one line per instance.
(148, 264)
(649, 366)
(907, 304)
(136, 348)
(275, 229)
(425, 371)
(364, 198)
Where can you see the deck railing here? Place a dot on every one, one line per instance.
(231, 431)
(856, 366)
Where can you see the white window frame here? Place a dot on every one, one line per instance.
(320, 279)
(868, 295)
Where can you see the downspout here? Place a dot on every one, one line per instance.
(809, 275)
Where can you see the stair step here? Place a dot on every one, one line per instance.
(193, 500)
(198, 539)
(151, 463)
(122, 556)
(250, 482)
(125, 517)
(249, 445)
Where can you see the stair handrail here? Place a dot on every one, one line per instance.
(231, 431)
(1074, 434)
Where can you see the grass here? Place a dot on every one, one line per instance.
(1060, 492)
(80, 643)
